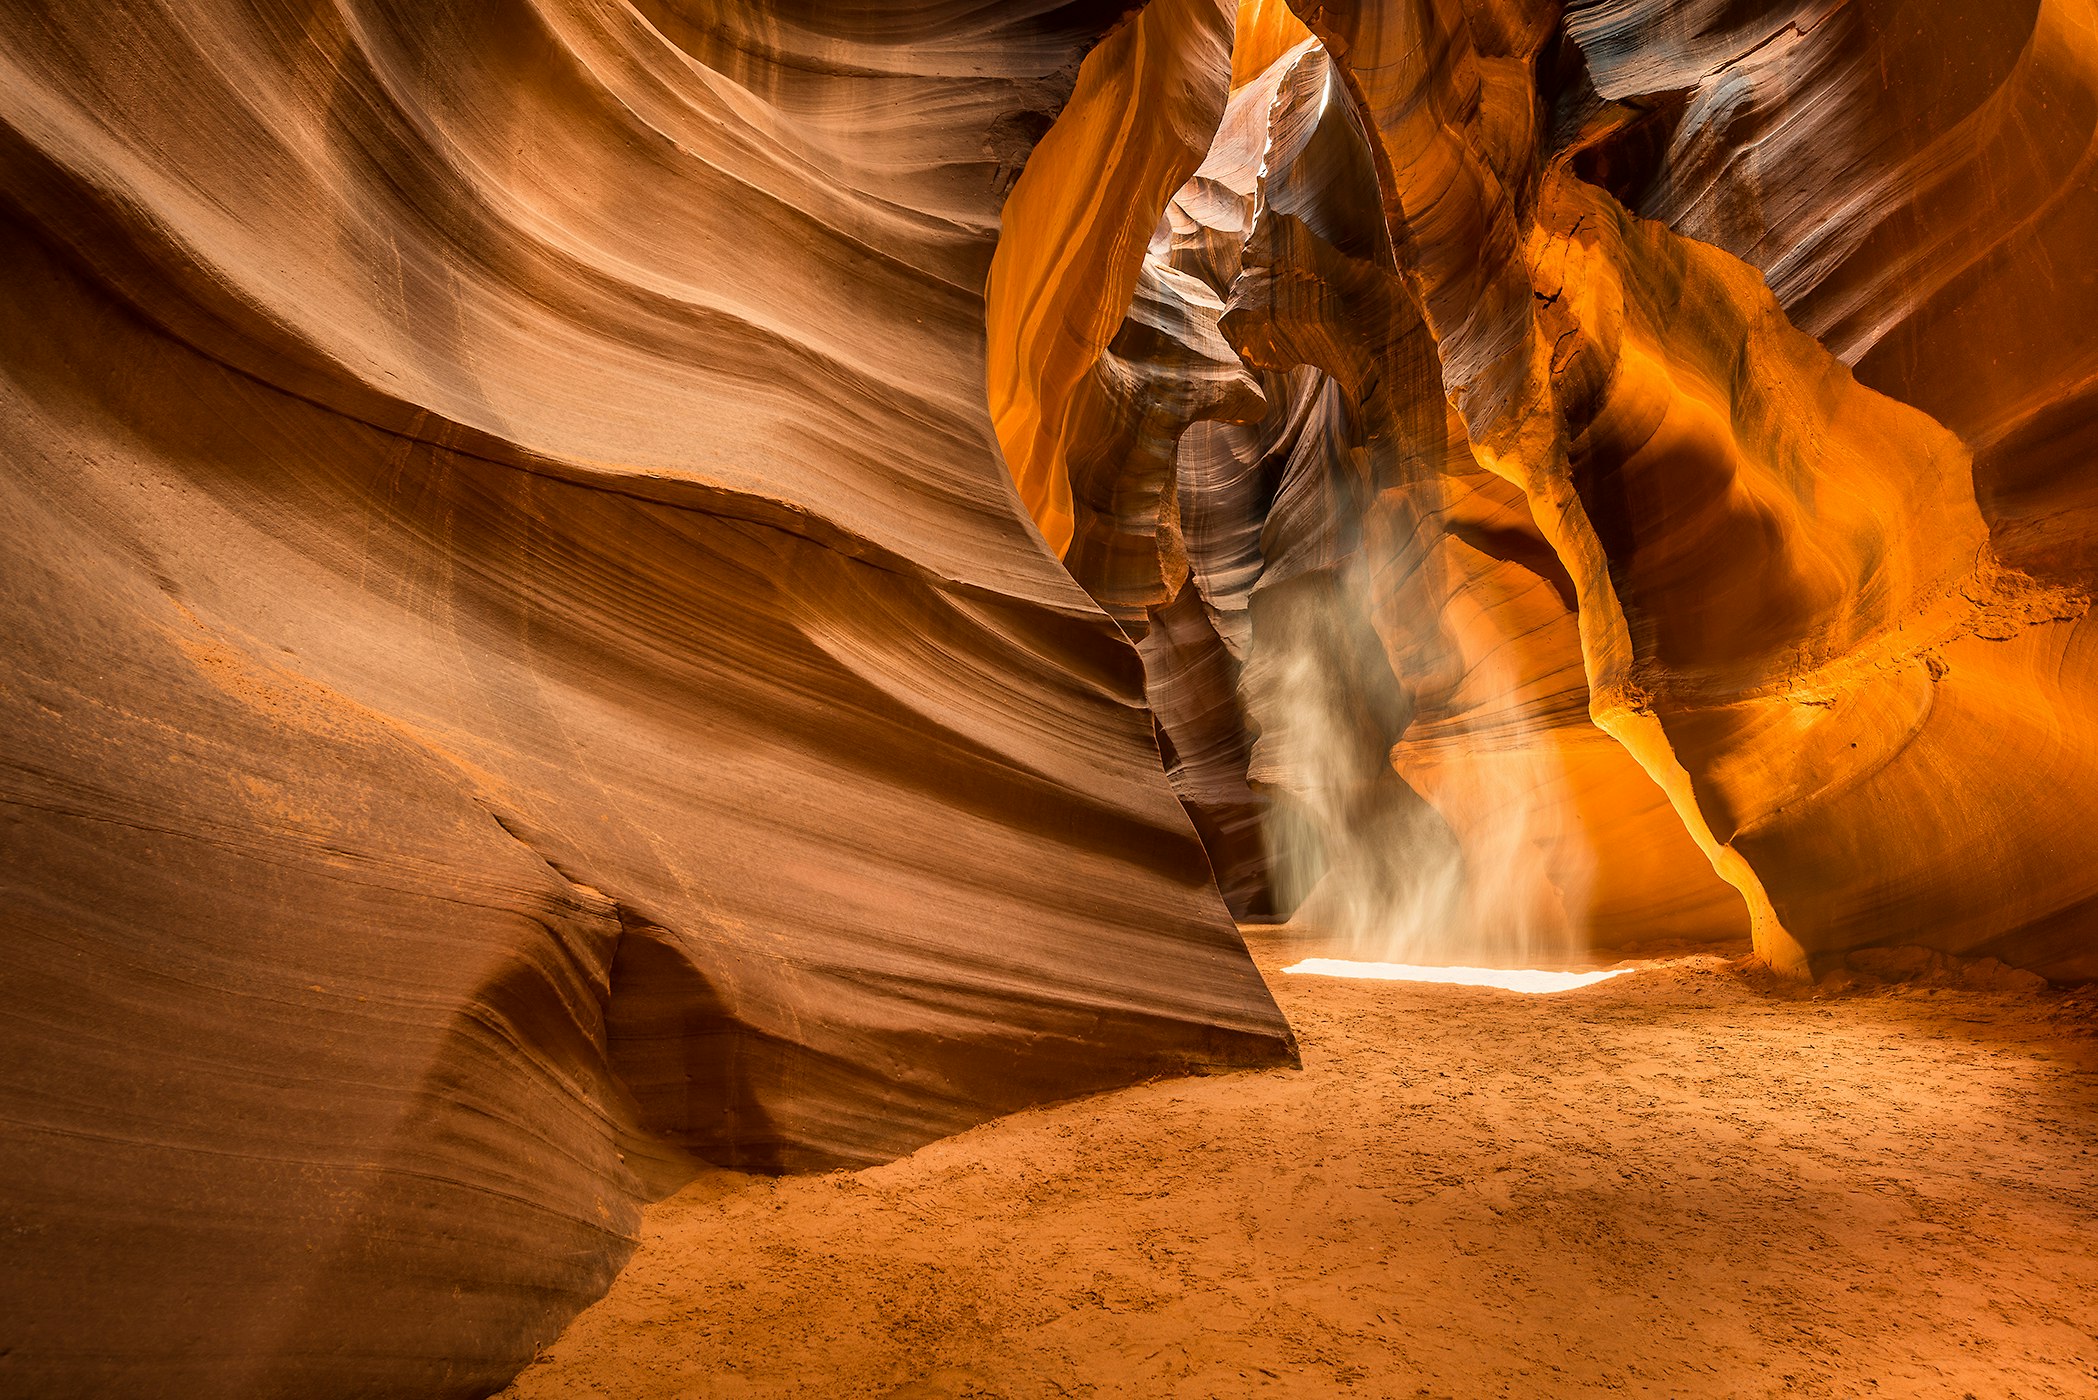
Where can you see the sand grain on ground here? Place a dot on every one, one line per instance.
(1689, 1182)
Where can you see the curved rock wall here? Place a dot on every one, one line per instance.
(527, 677)
(1701, 538)
(1767, 554)
(525, 674)
(1360, 648)
(1916, 185)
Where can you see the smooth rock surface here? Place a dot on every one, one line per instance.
(1693, 528)
(524, 671)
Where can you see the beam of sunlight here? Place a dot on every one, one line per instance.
(1528, 980)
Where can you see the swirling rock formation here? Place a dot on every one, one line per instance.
(1699, 535)
(526, 674)
(1775, 566)
(523, 665)
(1910, 183)
(1393, 635)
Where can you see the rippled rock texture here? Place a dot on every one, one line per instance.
(524, 669)
(574, 609)
(1666, 510)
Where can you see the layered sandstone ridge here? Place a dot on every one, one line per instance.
(525, 673)
(1665, 507)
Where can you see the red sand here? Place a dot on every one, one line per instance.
(1689, 1182)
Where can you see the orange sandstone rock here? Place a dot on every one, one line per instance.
(1774, 564)
(524, 671)
(1619, 334)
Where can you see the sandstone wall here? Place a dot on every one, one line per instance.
(525, 674)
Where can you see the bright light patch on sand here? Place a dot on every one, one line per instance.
(1507, 979)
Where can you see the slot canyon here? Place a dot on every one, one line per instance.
(937, 698)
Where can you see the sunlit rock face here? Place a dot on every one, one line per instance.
(524, 668)
(1910, 182)
(525, 671)
(1382, 616)
(1669, 512)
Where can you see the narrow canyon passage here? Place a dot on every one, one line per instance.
(678, 676)
(1694, 1181)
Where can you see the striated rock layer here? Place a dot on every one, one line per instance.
(1328, 566)
(1666, 510)
(1791, 608)
(524, 669)
(526, 674)
(1909, 182)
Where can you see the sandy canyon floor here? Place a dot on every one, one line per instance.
(1688, 1182)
